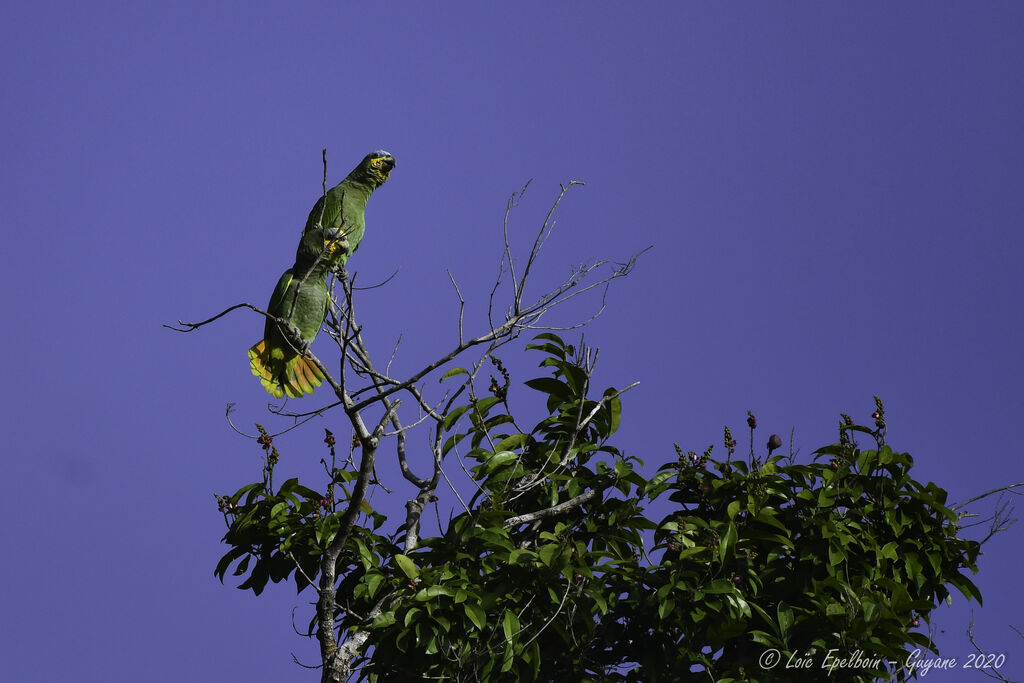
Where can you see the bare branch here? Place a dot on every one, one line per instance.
(301, 570)
(553, 511)
(568, 587)
(305, 666)
(310, 413)
(513, 202)
(542, 235)
(413, 425)
(227, 414)
(329, 559)
(604, 399)
(523, 320)
(992, 673)
(444, 474)
(1008, 487)
(340, 668)
(323, 154)
(462, 304)
(413, 511)
(192, 327)
(383, 282)
(394, 352)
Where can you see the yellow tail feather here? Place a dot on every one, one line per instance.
(294, 378)
(307, 374)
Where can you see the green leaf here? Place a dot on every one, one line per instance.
(368, 558)
(527, 557)
(499, 460)
(226, 561)
(720, 586)
(407, 566)
(785, 615)
(510, 625)
(687, 552)
(511, 443)
(484, 405)
(866, 461)
(870, 611)
(501, 419)
(767, 516)
(508, 658)
(657, 480)
(576, 379)
(453, 372)
(727, 543)
(476, 614)
(913, 565)
(454, 415)
(965, 586)
(553, 349)
(614, 409)
(373, 581)
(551, 337)
(548, 552)
(383, 620)
(888, 551)
(551, 386)
(308, 493)
(249, 488)
(431, 593)
(826, 497)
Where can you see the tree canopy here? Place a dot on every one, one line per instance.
(555, 570)
(559, 555)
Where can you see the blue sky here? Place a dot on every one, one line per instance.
(832, 191)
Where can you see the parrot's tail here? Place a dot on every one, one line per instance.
(280, 376)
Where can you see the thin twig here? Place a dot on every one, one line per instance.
(989, 493)
(462, 304)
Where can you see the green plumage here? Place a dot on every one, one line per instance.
(333, 232)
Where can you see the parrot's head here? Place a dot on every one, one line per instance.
(375, 167)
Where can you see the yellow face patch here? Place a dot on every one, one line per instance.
(378, 166)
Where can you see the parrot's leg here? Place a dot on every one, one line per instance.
(294, 338)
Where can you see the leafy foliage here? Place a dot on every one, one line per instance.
(555, 570)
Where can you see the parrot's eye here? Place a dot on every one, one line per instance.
(378, 161)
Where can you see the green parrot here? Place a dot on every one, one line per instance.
(333, 232)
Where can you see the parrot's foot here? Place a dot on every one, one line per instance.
(337, 247)
(295, 340)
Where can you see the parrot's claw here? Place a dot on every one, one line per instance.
(335, 246)
(294, 336)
